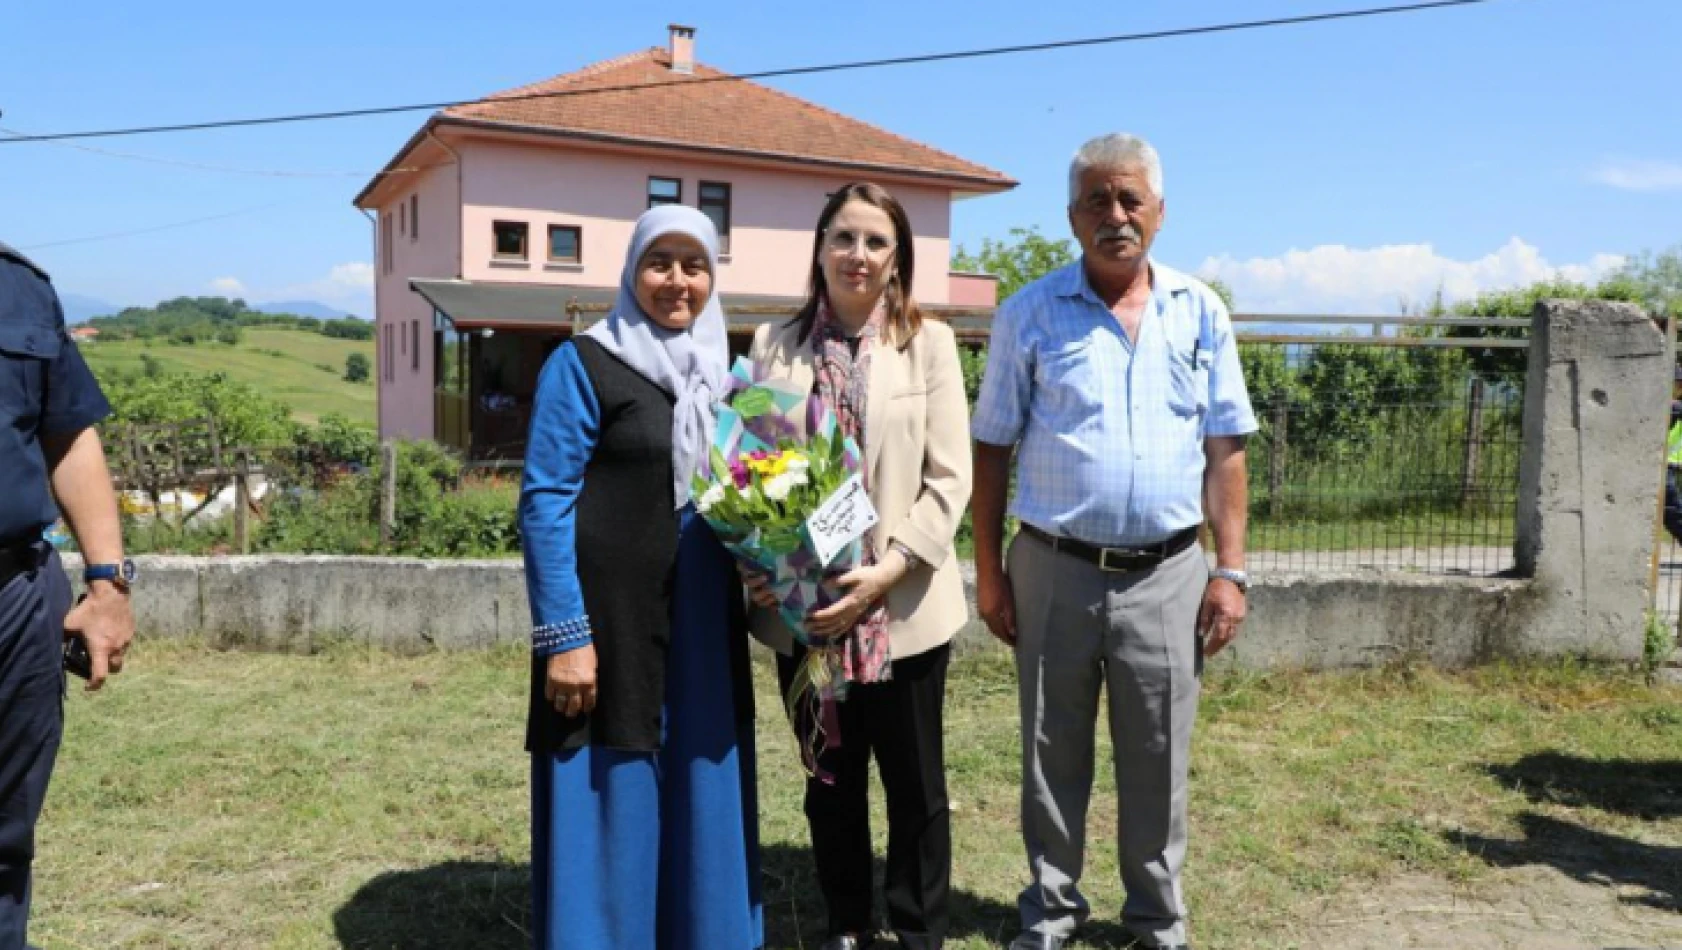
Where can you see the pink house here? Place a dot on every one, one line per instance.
(501, 226)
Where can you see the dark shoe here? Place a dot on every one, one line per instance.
(1032, 940)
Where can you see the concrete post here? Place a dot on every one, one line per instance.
(1596, 403)
(388, 493)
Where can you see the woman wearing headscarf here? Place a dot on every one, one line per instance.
(644, 821)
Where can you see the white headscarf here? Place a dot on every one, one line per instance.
(690, 364)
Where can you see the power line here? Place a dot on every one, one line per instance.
(768, 74)
(205, 167)
(150, 230)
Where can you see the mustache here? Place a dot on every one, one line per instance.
(1127, 231)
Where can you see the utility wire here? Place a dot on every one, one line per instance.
(150, 230)
(205, 167)
(767, 74)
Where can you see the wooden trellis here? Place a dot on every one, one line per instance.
(184, 456)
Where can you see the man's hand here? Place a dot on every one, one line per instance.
(571, 684)
(105, 621)
(1224, 608)
(997, 604)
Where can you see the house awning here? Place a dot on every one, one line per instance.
(473, 305)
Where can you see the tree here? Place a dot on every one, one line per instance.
(348, 328)
(356, 368)
(1025, 258)
(244, 416)
(1520, 303)
(1221, 290)
(1653, 279)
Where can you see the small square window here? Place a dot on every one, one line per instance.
(664, 191)
(510, 240)
(566, 244)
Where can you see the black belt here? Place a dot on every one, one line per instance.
(1141, 558)
(18, 559)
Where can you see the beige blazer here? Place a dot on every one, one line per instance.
(917, 453)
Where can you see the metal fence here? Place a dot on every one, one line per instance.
(1388, 443)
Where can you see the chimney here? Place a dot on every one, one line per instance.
(682, 48)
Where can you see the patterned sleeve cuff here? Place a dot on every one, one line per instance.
(552, 638)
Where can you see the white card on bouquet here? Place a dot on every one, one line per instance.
(843, 518)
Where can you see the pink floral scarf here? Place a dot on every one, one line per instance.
(843, 383)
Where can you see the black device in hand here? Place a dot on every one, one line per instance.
(77, 662)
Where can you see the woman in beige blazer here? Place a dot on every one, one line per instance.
(894, 380)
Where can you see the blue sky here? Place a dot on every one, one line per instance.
(1350, 166)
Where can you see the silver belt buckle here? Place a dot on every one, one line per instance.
(1104, 559)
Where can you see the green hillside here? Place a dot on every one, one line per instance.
(301, 368)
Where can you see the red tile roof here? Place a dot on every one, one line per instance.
(711, 110)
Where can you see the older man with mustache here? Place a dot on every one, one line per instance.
(1115, 383)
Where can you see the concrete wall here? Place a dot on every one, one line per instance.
(300, 603)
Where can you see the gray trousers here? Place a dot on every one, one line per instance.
(1080, 628)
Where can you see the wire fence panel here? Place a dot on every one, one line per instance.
(1379, 452)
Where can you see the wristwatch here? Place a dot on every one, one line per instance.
(120, 574)
(1240, 579)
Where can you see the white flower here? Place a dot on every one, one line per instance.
(777, 487)
(798, 463)
(713, 495)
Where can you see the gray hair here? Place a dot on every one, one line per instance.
(1115, 150)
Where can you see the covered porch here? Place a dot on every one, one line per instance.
(490, 342)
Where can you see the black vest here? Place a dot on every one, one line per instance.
(627, 543)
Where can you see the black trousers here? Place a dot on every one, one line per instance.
(32, 609)
(900, 723)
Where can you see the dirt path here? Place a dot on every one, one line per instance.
(1520, 908)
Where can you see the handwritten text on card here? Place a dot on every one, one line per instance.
(842, 519)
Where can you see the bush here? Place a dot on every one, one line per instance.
(434, 518)
(356, 368)
(973, 361)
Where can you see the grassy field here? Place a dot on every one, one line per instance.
(359, 800)
(302, 369)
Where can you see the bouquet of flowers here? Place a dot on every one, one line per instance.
(784, 494)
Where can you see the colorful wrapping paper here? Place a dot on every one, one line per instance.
(771, 439)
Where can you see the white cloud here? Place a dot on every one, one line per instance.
(1639, 175)
(1334, 278)
(228, 286)
(348, 286)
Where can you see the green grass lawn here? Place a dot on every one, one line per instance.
(305, 370)
(356, 799)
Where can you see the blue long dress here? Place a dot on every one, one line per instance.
(630, 849)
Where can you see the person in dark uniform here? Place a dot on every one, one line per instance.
(49, 449)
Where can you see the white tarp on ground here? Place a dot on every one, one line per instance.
(172, 503)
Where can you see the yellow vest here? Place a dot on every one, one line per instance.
(1673, 446)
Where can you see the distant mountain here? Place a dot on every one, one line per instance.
(78, 308)
(303, 308)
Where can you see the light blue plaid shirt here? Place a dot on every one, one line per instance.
(1109, 434)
